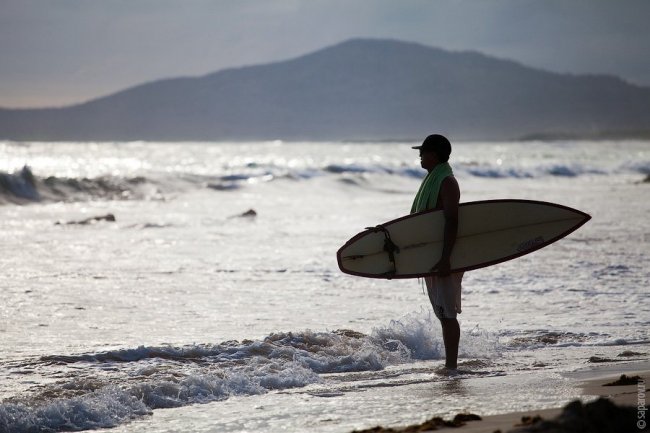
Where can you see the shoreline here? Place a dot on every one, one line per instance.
(592, 388)
(591, 381)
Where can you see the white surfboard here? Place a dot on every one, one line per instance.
(489, 232)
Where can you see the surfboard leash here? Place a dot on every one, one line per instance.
(389, 247)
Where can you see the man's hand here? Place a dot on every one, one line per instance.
(443, 267)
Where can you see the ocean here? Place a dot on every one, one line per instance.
(194, 287)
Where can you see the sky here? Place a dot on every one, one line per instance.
(61, 52)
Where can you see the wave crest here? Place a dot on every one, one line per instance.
(105, 389)
(23, 187)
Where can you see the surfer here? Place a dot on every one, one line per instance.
(439, 190)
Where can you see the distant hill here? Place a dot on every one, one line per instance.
(362, 89)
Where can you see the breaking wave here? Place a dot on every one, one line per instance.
(109, 388)
(24, 186)
(555, 170)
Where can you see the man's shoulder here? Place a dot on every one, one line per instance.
(450, 182)
(450, 187)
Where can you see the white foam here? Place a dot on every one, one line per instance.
(164, 377)
(418, 337)
(104, 408)
(414, 335)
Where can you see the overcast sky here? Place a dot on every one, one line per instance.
(56, 52)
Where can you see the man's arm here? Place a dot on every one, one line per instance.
(449, 196)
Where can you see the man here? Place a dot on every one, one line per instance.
(439, 190)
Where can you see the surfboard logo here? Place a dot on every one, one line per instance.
(530, 244)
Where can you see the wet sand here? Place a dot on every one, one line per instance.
(622, 395)
(593, 384)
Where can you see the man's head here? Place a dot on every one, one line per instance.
(434, 149)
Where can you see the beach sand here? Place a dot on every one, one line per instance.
(592, 383)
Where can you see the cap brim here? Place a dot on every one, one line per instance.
(416, 147)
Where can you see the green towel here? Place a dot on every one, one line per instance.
(427, 196)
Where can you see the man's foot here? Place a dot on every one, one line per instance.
(447, 371)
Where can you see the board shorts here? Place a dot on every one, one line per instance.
(444, 294)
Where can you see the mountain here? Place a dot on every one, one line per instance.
(362, 89)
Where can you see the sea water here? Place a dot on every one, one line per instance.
(189, 313)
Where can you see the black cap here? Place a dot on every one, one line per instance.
(436, 143)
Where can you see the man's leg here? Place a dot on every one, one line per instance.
(451, 338)
(443, 300)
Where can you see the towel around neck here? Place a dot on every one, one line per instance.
(427, 196)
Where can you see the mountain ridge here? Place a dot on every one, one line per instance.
(360, 89)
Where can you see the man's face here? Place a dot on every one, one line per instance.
(428, 160)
